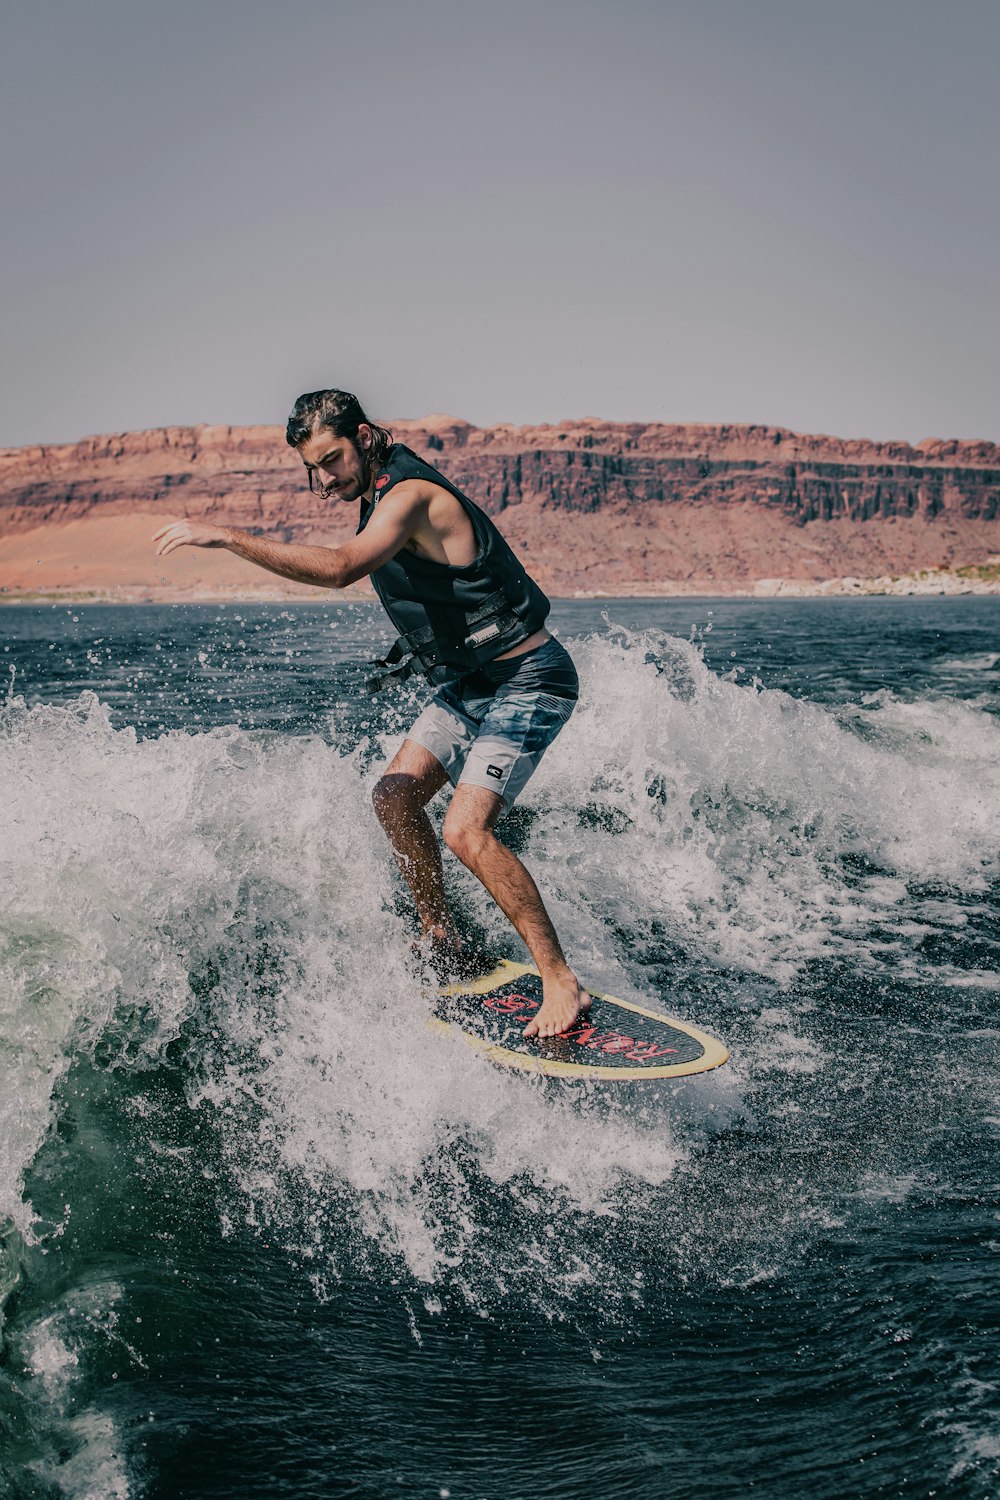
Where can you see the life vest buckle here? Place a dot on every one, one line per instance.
(487, 633)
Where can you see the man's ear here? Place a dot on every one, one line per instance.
(365, 436)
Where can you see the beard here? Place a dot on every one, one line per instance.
(358, 483)
(355, 483)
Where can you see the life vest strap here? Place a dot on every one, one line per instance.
(421, 648)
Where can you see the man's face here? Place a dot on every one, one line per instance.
(337, 469)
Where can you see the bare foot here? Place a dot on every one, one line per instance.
(562, 1001)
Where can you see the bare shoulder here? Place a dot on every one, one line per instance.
(431, 505)
(447, 535)
(407, 495)
(437, 525)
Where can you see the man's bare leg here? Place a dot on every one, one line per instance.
(468, 832)
(399, 798)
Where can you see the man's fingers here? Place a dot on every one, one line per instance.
(169, 545)
(174, 534)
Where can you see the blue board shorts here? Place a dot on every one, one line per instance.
(491, 727)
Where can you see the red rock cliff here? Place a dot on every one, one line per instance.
(594, 506)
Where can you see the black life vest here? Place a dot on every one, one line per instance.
(450, 619)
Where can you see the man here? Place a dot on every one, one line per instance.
(473, 621)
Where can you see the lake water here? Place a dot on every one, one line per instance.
(262, 1233)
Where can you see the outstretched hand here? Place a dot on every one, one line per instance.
(187, 534)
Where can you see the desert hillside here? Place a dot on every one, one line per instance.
(592, 506)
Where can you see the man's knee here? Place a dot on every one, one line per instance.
(395, 797)
(466, 840)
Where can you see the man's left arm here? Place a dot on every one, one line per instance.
(324, 567)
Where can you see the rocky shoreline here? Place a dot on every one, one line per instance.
(982, 579)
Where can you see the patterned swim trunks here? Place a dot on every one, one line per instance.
(491, 727)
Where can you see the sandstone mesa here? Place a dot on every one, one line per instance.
(592, 507)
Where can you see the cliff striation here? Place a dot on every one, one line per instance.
(592, 506)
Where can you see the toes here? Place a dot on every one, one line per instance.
(545, 1027)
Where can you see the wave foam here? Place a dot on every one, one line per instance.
(233, 889)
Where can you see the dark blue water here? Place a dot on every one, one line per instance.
(263, 1234)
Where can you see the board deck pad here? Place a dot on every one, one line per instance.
(614, 1040)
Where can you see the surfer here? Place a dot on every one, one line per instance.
(470, 618)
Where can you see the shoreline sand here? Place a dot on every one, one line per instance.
(976, 580)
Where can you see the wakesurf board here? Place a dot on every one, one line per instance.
(615, 1040)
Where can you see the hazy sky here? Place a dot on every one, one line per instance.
(780, 211)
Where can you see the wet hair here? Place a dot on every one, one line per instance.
(342, 414)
